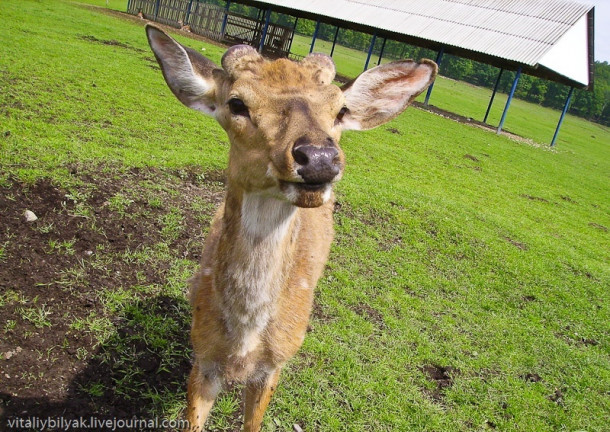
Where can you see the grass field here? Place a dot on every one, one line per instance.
(467, 288)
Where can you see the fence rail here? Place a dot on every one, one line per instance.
(215, 23)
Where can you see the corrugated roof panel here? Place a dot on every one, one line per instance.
(516, 30)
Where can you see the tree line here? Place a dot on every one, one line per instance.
(591, 105)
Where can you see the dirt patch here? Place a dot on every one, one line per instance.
(318, 313)
(468, 120)
(534, 198)
(88, 323)
(532, 377)
(370, 314)
(557, 396)
(442, 376)
(568, 199)
(111, 42)
(598, 226)
(142, 21)
(517, 244)
(528, 299)
(471, 157)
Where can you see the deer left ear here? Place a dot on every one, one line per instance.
(189, 75)
(380, 94)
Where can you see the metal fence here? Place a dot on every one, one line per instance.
(215, 23)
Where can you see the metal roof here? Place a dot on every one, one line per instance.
(504, 33)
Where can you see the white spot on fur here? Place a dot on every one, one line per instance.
(264, 215)
(249, 342)
(291, 193)
(327, 193)
(256, 274)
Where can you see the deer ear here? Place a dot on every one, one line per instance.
(188, 74)
(380, 94)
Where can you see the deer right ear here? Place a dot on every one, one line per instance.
(188, 74)
(380, 94)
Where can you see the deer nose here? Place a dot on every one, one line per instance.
(317, 164)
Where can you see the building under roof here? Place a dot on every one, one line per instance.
(550, 39)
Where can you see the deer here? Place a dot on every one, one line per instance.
(270, 239)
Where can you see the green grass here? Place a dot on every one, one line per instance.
(455, 247)
(349, 62)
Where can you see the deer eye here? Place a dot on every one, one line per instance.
(342, 112)
(238, 107)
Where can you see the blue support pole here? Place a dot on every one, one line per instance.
(264, 35)
(188, 13)
(439, 59)
(225, 19)
(332, 50)
(563, 114)
(508, 101)
(493, 95)
(157, 9)
(294, 28)
(315, 35)
(381, 51)
(371, 47)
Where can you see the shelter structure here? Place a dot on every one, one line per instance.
(550, 39)
(218, 23)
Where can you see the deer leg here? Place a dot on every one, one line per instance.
(202, 390)
(258, 396)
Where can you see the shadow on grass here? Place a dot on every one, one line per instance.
(139, 372)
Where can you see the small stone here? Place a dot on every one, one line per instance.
(297, 428)
(30, 216)
(7, 355)
(88, 253)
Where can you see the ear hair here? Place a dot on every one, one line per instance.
(380, 94)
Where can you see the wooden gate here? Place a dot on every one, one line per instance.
(215, 23)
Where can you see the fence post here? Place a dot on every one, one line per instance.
(188, 13)
(157, 9)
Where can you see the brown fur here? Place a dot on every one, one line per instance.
(270, 239)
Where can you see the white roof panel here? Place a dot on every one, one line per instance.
(522, 31)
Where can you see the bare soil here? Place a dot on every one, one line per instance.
(54, 273)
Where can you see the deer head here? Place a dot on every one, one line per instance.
(284, 119)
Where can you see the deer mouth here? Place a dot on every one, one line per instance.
(306, 195)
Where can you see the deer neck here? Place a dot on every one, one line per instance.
(259, 237)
